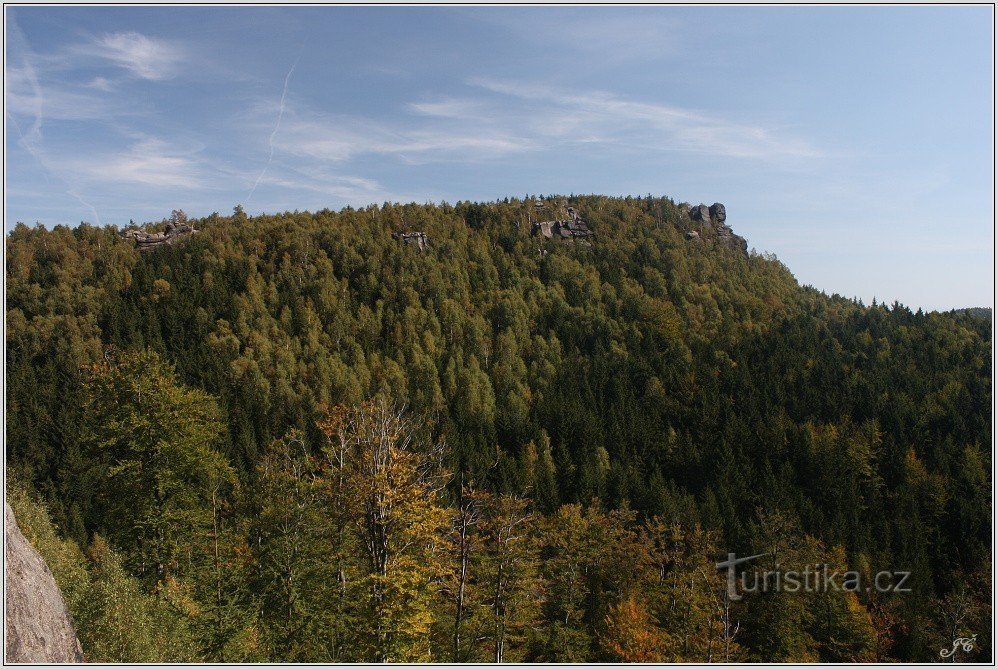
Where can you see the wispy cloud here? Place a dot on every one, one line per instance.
(599, 116)
(23, 92)
(350, 188)
(48, 86)
(451, 108)
(101, 84)
(149, 162)
(304, 180)
(143, 56)
(42, 88)
(341, 138)
(509, 118)
(613, 35)
(25, 96)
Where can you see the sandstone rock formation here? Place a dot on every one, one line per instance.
(713, 218)
(145, 241)
(39, 626)
(701, 212)
(417, 239)
(717, 212)
(571, 228)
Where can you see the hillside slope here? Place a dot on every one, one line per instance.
(641, 365)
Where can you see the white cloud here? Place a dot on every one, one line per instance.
(23, 93)
(26, 98)
(598, 116)
(149, 162)
(337, 139)
(508, 119)
(101, 84)
(37, 88)
(450, 108)
(300, 176)
(143, 56)
(614, 35)
(349, 188)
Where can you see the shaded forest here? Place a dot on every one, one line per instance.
(297, 438)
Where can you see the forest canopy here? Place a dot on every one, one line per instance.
(296, 437)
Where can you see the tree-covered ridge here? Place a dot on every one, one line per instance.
(676, 381)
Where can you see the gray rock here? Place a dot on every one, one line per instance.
(39, 626)
(574, 228)
(544, 229)
(712, 220)
(717, 212)
(417, 239)
(145, 241)
(727, 237)
(701, 213)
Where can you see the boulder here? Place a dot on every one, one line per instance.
(39, 626)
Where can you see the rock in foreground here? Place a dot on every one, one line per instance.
(39, 626)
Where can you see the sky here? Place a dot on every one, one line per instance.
(855, 143)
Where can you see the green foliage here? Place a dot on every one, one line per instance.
(157, 439)
(114, 619)
(287, 531)
(175, 404)
(126, 625)
(63, 556)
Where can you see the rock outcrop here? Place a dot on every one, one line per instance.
(571, 228)
(417, 239)
(39, 626)
(146, 241)
(717, 212)
(713, 218)
(701, 212)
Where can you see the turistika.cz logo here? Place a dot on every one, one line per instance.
(812, 578)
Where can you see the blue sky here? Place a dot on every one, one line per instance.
(855, 143)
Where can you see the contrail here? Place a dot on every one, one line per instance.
(34, 135)
(87, 204)
(32, 140)
(277, 126)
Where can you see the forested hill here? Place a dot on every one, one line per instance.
(640, 375)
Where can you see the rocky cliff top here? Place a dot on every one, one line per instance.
(176, 230)
(713, 218)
